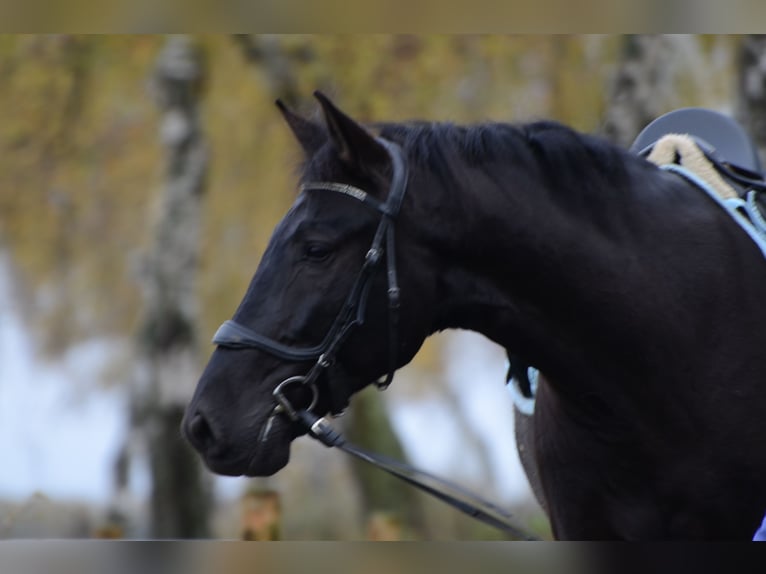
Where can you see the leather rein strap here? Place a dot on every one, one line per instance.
(236, 336)
(446, 491)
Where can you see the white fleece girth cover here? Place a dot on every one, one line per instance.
(681, 149)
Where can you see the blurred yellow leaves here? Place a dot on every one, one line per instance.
(80, 161)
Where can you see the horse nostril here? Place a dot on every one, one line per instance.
(199, 432)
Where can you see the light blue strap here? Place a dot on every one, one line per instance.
(755, 213)
(524, 404)
(760, 534)
(756, 231)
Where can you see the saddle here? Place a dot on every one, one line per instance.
(715, 133)
(709, 144)
(714, 152)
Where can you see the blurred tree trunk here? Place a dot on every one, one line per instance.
(384, 498)
(637, 92)
(751, 95)
(275, 63)
(168, 341)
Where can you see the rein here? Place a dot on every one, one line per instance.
(233, 335)
(449, 492)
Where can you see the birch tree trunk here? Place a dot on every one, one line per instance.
(167, 342)
(751, 95)
(638, 92)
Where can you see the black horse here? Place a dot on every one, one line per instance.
(638, 297)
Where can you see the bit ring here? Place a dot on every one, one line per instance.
(283, 405)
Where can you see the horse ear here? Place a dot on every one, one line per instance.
(356, 146)
(310, 135)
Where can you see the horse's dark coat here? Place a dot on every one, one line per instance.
(639, 299)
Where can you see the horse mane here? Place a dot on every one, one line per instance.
(561, 153)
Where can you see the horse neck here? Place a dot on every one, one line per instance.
(522, 262)
(602, 276)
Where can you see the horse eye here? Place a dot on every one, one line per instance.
(317, 251)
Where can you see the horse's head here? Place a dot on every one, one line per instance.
(335, 304)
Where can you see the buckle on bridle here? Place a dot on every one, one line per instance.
(373, 256)
(393, 297)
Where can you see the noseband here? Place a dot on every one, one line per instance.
(233, 335)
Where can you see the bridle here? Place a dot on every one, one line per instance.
(234, 335)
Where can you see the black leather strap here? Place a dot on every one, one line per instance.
(446, 491)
